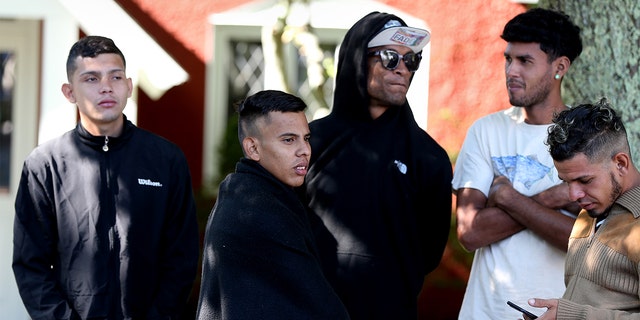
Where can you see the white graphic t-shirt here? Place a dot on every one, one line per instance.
(522, 266)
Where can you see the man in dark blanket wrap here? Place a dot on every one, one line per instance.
(260, 259)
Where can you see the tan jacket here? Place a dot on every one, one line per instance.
(602, 271)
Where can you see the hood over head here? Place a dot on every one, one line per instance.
(351, 100)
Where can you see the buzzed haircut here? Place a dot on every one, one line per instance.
(260, 104)
(91, 46)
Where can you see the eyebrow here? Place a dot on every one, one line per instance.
(291, 134)
(519, 56)
(95, 73)
(525, 57)
(582, 177)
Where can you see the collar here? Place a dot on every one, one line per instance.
(98, 142)
(630, 200)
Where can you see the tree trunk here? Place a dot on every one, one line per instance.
(608, 66)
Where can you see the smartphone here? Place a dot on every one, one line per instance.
(519, 308)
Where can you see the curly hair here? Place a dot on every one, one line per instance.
(595, 130)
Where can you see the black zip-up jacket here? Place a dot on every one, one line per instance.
(105, 228)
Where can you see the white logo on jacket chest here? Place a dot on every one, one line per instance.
(147, 182)
(401, 166)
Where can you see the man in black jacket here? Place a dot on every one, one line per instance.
(260, 259)
(380, 185)
(105, 224)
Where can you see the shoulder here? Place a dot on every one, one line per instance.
(252, 200)
(494, 125)
(510, 115)
(327, 127)
(156, 143)
(51, 148)
(432, 150)
(150, 136)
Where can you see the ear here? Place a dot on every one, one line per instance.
(67, 91)
(622, 162)
(562, 66)
(250, 147)
(130, 82)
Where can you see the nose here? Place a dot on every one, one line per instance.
(105, 86)
(575, 192)
(402, 67)
(512, 69)
(508, 69)
(305, 149)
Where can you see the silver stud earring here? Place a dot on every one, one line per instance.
(557, 77)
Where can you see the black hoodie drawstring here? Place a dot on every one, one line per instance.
(105, 148)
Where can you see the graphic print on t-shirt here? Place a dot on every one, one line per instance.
(526, 170)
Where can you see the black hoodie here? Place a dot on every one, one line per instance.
(381, 190)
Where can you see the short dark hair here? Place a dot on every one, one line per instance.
(261, 104)
(593, 129)
(557, 34)
(91, 46)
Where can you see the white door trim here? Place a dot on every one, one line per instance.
(23, 38)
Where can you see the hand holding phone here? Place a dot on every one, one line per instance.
(519, 308)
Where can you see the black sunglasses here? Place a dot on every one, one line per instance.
(391, 59)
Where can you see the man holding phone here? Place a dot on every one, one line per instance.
(590, 149)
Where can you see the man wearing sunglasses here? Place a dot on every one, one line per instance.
(378, 184)
(512, 210)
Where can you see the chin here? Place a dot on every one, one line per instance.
(594, 213)
(295, 182)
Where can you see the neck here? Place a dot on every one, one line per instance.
(543, 111)
(376, 111)
(635, 181)
(543, 114)
(109, 129)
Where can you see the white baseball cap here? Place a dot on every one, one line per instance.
(394, 33)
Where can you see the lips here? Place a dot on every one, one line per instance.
(107, 103)
(398, 81)
(587, 205)
(514, 85)
(301, 169)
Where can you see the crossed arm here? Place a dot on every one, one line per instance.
(482, 221)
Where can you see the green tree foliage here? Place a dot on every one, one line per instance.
(229, 150)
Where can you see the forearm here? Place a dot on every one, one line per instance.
(547, 222)
(478, 225)
(557, 197)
